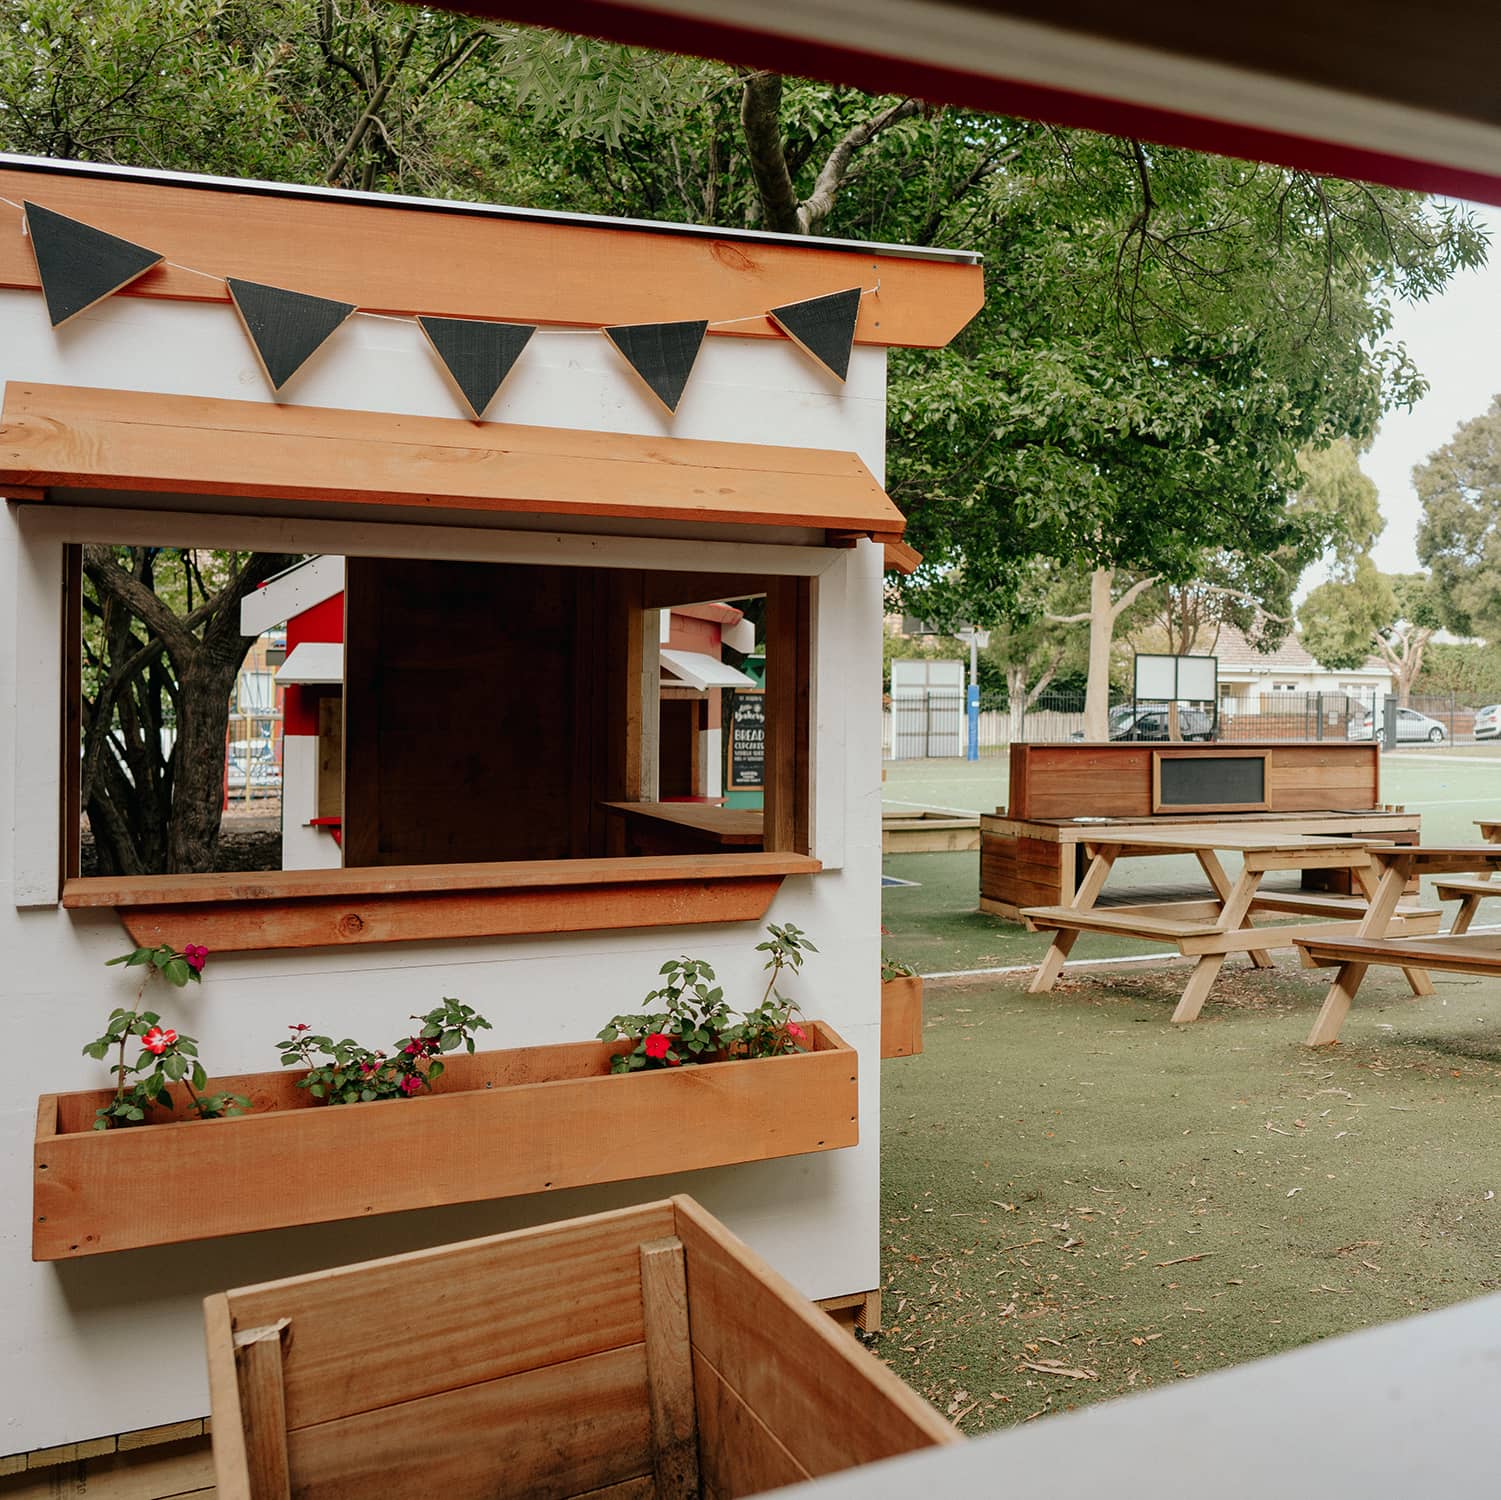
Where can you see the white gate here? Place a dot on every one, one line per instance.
(927, 709)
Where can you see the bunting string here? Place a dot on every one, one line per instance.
(79, 266)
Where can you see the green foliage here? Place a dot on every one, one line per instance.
(1341, 620)
(345, 1072)
(892, 968)
(1470, 673)
(1459, 537)
(1341, 498)
(694, 1024)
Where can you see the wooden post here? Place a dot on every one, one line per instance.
(669, 1370)
(263, 1407)
(788, 656)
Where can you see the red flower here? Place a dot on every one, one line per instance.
(414, 1048)
(411, 1084)
(195, 954)
(657, 1044)
(301, 1026)
(796, 1032)
(156, 1041)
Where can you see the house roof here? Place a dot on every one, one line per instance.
(1235, 652)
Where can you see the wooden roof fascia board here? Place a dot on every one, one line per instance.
(89, 439)
(384, 256)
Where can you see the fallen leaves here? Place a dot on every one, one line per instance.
(1057, 1367)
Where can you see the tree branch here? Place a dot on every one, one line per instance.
(819, 204)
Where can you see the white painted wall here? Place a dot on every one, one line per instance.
(71, 1334)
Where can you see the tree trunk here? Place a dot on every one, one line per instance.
(1016, 703)
(1102, 613)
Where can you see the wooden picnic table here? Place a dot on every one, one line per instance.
(1376, 942)
(1210, 930)
(1472, 890)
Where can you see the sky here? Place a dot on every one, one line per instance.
(1452, 339)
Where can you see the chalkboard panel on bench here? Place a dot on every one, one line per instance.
(1227, 781)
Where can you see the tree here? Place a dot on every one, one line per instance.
(154, 673)
(1459, 537)
(1392, 615)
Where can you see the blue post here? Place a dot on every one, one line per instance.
(973, 751)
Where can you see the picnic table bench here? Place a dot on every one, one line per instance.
(1210, 930)
(1375, 942)
(1472, 891)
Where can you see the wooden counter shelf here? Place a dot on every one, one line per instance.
(415, 903)
(497, 1125)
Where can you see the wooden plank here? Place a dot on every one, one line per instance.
(1466, 953)
(196, 445)
(98, 1191)
(786, 1360)
(546, 1434)
(182, 1470)
(459, 261)
(306, 922)
(1105, 919)
(231, 1460)
(290, 885)
(740, 1455)
(571, 1290)
(788, 675)
(1250, 939)
(263, 1408)
(669, 1369)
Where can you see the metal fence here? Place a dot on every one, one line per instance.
(933, 725)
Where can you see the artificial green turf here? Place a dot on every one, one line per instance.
(1047, 1155)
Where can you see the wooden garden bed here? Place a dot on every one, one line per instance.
(635, 1354)
(498, 1124)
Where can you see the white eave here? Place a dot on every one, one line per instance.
(703, 672)
(314, 664)
(292, 593)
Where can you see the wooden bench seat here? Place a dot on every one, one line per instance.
(1126, 921)
(1469, 892)
(1463, 953)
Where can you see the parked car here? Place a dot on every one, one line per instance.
(1149, 722)
(1488, 722)
(1411, 726)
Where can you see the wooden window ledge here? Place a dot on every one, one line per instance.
(422, 903)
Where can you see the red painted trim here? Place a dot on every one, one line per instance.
(880, 74)
(299, 710)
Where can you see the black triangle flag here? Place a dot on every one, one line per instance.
(478, 356)
(287, 328)
(80, 265)
(662, 354)
(823, 327)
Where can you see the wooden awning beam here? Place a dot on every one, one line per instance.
(79, 438)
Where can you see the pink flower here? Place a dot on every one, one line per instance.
(411, 1084)
(657, 1044)
(157, 1040)
(414, 1048)
(796, 1032)
(195, 954)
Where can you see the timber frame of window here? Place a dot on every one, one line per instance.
(384, 902)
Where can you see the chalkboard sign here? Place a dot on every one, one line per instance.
(1198, 782)
(747, 740)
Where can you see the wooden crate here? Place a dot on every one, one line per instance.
(641, 1353)
(497, 1125)
(901, 1016)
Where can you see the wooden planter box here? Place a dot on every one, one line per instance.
(901, 1016)
(641, 1353)
(497, 1125)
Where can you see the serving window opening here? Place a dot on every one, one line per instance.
(414, 712)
